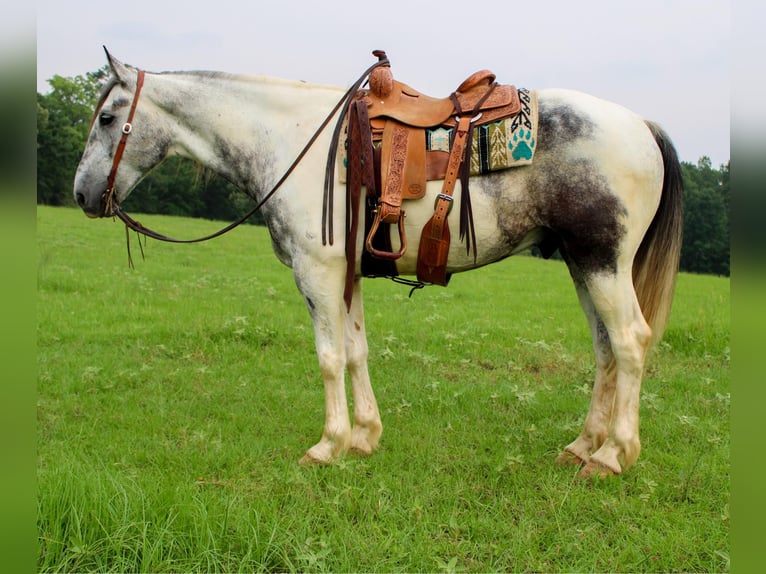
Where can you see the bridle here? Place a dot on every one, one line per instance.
(110, 199)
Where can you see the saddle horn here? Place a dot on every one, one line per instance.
(381, 78)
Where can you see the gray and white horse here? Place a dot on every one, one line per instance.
(605, 188)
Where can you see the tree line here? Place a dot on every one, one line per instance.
(181, 187)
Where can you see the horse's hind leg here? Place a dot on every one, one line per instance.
(596, 425)
(614, 299)
(367, 425)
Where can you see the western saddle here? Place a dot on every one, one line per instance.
(386, 152)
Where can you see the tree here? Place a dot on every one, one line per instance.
(63, 120)
(182, 187)
(706, 218)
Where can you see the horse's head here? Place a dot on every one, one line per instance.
(125, 142)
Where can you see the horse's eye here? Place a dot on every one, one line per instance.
(105, 119)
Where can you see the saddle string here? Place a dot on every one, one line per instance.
(467, 228)
(344, 102)
(329, 179)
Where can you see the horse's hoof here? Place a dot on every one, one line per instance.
(567, 458)
(361, 443)
(599, 470)
(310, 459)
(361, 450)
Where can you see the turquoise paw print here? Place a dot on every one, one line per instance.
(522, 145)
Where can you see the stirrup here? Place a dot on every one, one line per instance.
(391, 255)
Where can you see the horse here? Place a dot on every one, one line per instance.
(605, 188)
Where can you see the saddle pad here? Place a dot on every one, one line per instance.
(502, 144)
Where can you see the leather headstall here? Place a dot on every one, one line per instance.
(108, 198)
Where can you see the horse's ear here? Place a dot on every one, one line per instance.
(120, 70)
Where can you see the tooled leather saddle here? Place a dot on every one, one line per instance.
(386, 152)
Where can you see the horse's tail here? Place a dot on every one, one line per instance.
(655, 266)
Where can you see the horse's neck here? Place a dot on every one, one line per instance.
(246, 129)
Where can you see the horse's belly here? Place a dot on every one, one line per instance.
(492, 239)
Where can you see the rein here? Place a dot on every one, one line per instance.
(112, 207)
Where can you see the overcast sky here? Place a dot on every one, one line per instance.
(665, 59)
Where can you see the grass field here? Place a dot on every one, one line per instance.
(174, 401)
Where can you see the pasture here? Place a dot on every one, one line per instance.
(174, 402)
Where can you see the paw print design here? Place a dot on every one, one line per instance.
(522, 145)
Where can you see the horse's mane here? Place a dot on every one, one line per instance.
(112, 80)
(214, 75)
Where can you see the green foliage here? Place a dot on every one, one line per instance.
(174, 401)
(63, 120)
(706, 247)
(181, 187)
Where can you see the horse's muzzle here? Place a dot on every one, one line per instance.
(91, 210)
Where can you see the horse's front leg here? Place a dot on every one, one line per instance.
(322, 289)
(367, 425)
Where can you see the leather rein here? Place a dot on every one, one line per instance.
(112, 206)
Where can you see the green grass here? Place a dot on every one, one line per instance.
(174, 401)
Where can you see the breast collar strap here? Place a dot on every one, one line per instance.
(110, 201)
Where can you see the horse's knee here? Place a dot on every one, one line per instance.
(331, 363)
(357, 349)
(356, 356)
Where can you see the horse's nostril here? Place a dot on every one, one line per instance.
(80, 200)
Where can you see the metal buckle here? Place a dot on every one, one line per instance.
(474, 119)
(445, 197)
(127, 128)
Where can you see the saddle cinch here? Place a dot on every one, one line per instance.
(397, 166)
